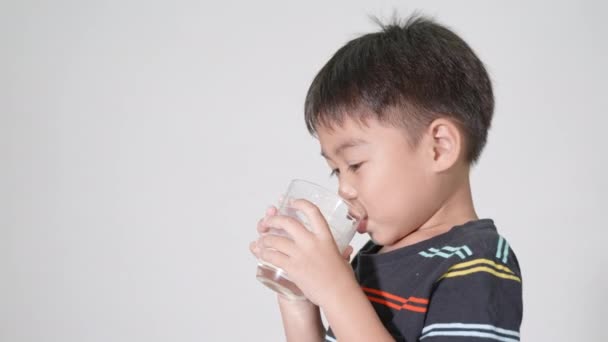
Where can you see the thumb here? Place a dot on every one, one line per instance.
(347, 252)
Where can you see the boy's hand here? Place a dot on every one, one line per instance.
(300, 317)
(255, 250)
(253, 246)
(311, 259)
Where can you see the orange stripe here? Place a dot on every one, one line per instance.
(385, 294)
(384, 302)
(414, 308)
(394, 297)
(418, 300)
(395, 306)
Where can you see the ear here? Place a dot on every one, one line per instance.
(446, 144)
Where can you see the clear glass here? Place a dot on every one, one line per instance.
(340, 215)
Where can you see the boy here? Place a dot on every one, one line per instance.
(400, 115)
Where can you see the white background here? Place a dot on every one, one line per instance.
(141, 141)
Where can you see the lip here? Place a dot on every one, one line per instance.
(362, 227)
(357, 214)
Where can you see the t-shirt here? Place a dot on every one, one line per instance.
(463, 285)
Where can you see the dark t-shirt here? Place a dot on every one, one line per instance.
(463, 285)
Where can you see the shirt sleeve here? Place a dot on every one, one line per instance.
(479, 299)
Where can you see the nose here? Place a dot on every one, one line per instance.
(346, 190)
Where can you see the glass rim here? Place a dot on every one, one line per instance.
(348, 203)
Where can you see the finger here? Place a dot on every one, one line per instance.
(261, 227)
(347, 252)
(279, 243)
(294, 228)
(255, 250)
(316, 219)
(270, 211)
(274, 257)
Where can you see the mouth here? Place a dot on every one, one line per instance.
(361, 222)
(358, 213)
(362, 227)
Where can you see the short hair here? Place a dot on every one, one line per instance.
(409, 73)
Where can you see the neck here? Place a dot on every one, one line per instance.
(455, 210)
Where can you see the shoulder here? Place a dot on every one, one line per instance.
(475, 242)
(476, 247)
(487, 247)
(480, 295)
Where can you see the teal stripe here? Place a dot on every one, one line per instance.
(506, 253)
(436, 253)
(330, 339)
(470, 334)
(454, 251)
(470, 326)
(459, 250)
(499, 248)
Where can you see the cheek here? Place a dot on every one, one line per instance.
(392, 193)
(384, 190)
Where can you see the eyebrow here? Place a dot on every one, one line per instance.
(345, 145)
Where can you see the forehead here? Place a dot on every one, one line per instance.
(349, 133)
(346, 129)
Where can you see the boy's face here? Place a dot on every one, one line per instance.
(380, 173)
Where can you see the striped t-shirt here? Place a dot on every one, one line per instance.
(463, 285)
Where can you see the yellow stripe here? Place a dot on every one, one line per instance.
(480, 269)
(481, 261)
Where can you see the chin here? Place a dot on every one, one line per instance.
(381, 240)
(376, 239)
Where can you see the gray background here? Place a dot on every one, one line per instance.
(140, 142)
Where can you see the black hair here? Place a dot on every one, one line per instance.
(407, 74)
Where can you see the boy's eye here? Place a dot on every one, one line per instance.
(352, 168)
